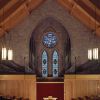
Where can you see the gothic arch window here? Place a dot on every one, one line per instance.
(49, 46)
(44, 64)
(55, 64)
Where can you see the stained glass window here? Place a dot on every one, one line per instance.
(55, 64)
(44, 64)
(50, 40)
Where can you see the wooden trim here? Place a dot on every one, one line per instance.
(17, 77)
(82, 77)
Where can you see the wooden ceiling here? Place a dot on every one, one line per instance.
(13, 11)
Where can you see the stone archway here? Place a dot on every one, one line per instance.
(63, 46)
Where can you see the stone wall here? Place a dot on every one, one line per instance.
(80, 36)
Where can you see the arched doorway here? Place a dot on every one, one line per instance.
(50, 49)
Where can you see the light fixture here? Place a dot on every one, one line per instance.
(95, 53)
(90, 54)
(4, 53)
(10, 54)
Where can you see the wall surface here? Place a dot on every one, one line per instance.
(81, 85)
(18, 85)
(80, 36)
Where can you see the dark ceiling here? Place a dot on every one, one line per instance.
(3, 3)
(96, 3)
(84, 10)
(89, 10)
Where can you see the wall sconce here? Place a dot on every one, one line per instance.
(93, 54)
(10, 54)
(4, 53)
(90, 54)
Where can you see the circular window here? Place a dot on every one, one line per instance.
(49, 40)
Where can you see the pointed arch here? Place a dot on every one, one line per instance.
(55, 64)
(46, 25)
(44, 64)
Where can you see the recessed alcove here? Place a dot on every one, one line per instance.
(42, 56)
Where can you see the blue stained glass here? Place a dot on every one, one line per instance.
(50, 39)
(55, 64)
(44, 64)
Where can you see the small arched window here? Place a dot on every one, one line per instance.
(44, 64)
(55, 64)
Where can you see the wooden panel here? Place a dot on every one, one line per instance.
(67, 90)
(81, 85)
(18, 85)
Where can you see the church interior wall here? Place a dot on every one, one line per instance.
(81, 37)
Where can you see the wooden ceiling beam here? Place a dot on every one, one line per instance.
(81, 14)
(26, 6)
(15, 12)
(33, 4)
(68, 4)
(8, 6)
(92, 11)
(15, 17)
(92, 6)
(10, 11)
(87, 19)
(3, 3)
